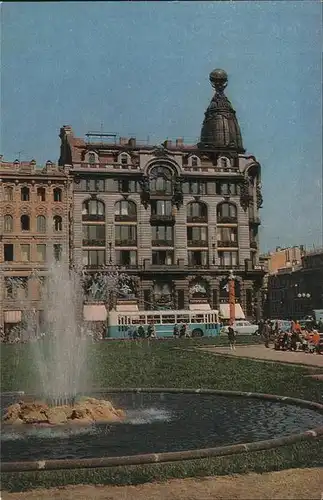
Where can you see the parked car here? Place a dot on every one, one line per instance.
(242, 327)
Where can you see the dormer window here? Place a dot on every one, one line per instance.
(124, 159)
(91, 158)
(194, 161)
(224, 162)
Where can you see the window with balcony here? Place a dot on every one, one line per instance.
(196, 212)
(228, 259)
(163, 257)
(8, 223)
(227, 236)
(162, 236)
(125, 210)
(58, 223)
(93, 210)
(57, 194)
(127, 186)
(198, 258)
(41, 194)
(8, 193)
(226, 212)
(161, 209)
(41, 253)
(93, 258)
(161, 181)
(41, 224)
(94, 236)
(125, 235)
(25, 194)
(8, 252)
(25, 223)
(25, 253)
(197, 236)
(57, 251)
(126, 258)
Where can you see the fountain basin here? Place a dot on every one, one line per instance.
(165, 425)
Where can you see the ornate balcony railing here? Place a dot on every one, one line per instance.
(253, 244)
(93, 243)
(202, 219)
(126, 243)
(227, 220)
(197, 243)
(126, 218)
(162, 218)
(93, 218)
(254, 219)
(226, 244)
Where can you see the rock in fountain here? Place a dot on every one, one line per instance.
(60, 350)
(84, 411)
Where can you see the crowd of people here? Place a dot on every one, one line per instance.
(294, 338)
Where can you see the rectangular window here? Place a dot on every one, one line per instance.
(227, 234)
(197, 233)
(41, 253)
(162, 234)
(163, 257)
(127, 186)
(126, 257)
(228, 258)
(57, 252)
(93, 234)
(161, 207)
(197, 187)
(126, 234)
(93, 258)
(8, 252)
(198, 258)
(25, 253)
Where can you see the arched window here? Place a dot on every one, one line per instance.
(124, 159)
(57, 194)
(8, 223)
(25, 222)
(25, 196)
(195, 161)
(41, 194)
(224, 162)
(161, 181)
(58, 223)
(41, 224)
(125, 210)
(226, 212)
(93, 210)
(196, 212)
(92, 158)
(8, 193)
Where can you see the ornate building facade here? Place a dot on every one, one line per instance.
(175, 217)
(34, 227)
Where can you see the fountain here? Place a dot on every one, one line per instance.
(59, 349)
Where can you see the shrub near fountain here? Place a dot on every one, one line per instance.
(84, 411)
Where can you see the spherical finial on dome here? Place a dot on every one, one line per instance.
(219, 79)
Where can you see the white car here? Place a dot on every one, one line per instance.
(242, 327)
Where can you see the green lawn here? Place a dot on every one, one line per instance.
(165, 364)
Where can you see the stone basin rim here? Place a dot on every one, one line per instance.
(151, 458)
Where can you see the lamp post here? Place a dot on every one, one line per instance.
(232, 297)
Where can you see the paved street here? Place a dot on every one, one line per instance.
(260, 352)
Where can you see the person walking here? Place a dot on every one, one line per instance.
(232, 338)
(266, 332)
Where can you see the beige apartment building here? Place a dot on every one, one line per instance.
(34, 227)
(175, 217)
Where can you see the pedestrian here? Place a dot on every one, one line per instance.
(266, 333)
(176, 331)
(141, 332)
(232, 338)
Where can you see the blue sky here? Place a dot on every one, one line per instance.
(142, 68)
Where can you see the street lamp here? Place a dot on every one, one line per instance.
(232, 298)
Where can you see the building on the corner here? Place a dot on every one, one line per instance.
(34, 227)
(177, 217)
(295, 283)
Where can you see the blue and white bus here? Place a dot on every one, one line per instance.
(199, 323)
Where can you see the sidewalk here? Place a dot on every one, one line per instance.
(260, 352)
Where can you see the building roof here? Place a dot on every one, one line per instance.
(220, 129)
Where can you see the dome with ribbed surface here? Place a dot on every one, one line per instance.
(220, 129)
